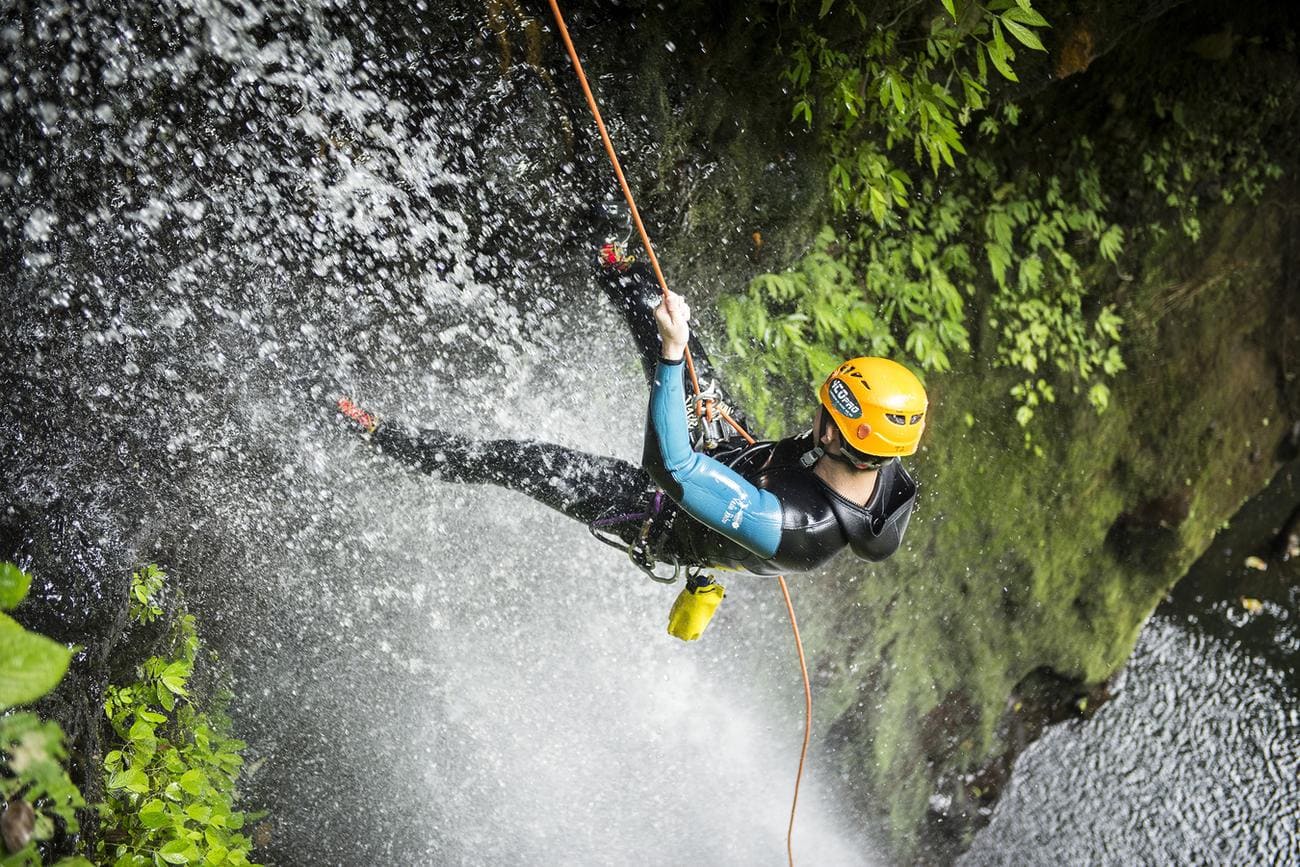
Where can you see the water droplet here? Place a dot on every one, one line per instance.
(39, 225)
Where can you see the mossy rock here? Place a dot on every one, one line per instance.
(1020, 568)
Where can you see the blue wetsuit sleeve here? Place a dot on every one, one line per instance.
(712, 492)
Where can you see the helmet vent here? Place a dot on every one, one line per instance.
(917, 417)
(895, 418)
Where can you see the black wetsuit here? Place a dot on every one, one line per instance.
(619, 497)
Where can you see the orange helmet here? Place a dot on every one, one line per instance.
(877, 404)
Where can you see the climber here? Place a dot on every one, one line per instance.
(717, 502)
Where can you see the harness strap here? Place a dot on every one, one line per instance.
(655, 522)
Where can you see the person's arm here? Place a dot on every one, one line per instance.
(711, 492)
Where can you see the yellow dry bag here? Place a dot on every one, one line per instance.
(694, 608)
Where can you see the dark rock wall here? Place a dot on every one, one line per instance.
(1026, 579)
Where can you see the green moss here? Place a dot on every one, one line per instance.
(1016, 563)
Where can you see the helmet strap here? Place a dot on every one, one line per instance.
(820, 420)
(808, 458)
(820, 424)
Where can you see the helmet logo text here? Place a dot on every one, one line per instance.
(842, 400)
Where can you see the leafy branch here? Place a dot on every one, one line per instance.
(40, 800)
(172, 782)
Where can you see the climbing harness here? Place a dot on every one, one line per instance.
(709, 432)
(708, 437)
(616, 257)
(655, 522)
(704, 408)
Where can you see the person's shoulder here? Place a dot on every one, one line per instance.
(896, 487)
(791, 449)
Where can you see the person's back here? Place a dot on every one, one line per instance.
(817, 521)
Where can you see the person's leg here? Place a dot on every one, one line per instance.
(577, 484)
(635, 294)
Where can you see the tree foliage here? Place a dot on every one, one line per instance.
(171, 782)
(893, 273)
(40, 800)
(880, 91)
(948, 235)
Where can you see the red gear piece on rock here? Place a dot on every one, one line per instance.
(611, 256)
(366, 421)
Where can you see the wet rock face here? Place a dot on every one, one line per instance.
(220, 217)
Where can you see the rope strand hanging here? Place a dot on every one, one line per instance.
(707, 404)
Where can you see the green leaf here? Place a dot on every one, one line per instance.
(178, 852)
(1111, 243)
(1108, 322)
(142, 731)
(175, 676)
(1113, 363)
(131, 780)
(199, 812)
(826, 8)
(193, 781)
(999, 261)
(30, 665)
(1023, 33)
(14, 584)
(1099, 396)
(1031, 272)
(1025, 15)
(154, 814)
(999, 52)
(897, 92)
(802, 109)
(948, 4)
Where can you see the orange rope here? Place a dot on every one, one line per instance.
(807, 710)
(803, 667)
(708, 404)
(618, 171)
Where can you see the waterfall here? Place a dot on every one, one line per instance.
(219, 217)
